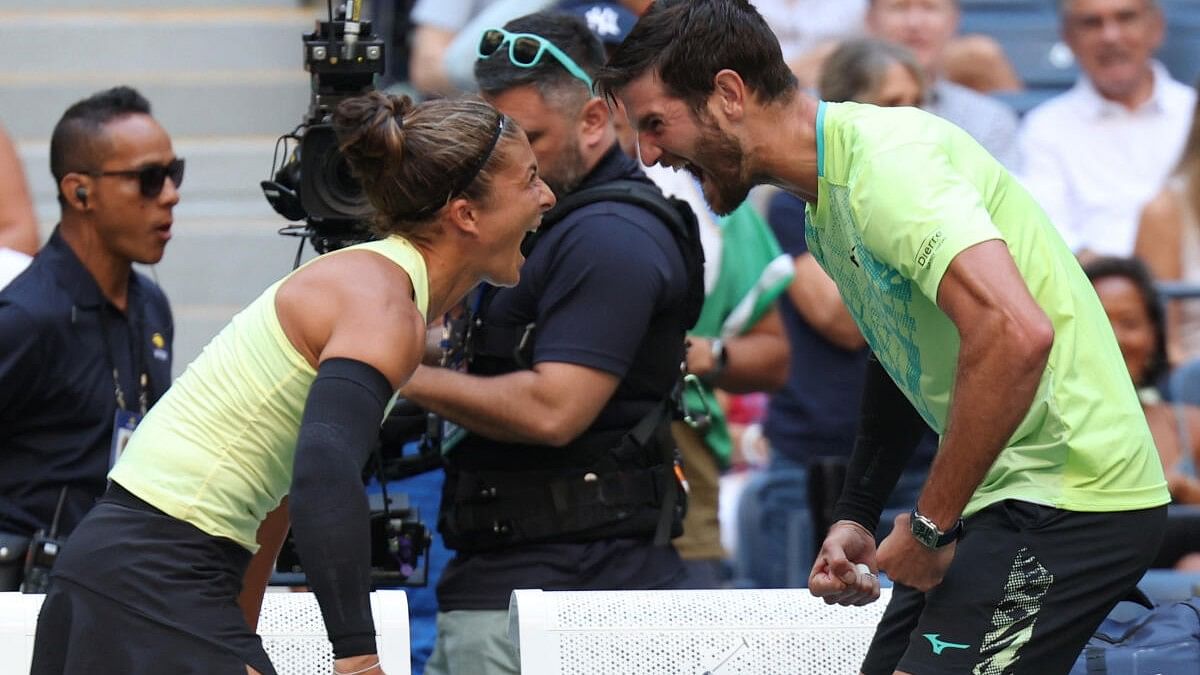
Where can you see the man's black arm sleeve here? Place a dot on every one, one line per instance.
(328, 505)
(889, 429)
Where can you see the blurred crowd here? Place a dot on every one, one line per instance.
(1114, 159)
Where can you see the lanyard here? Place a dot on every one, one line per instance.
(135, 353)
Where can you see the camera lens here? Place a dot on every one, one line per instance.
(329, 189)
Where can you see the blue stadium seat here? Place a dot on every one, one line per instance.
(1181, 51)
(1029, 34)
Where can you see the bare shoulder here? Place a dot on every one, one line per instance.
(1163, 213)
(1159, 234)
(359, 305)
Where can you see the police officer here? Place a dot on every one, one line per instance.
(566, 480)
(85, 342)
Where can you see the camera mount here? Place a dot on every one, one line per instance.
(315, 184)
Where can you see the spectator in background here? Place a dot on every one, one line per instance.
(85, 342)
(18, 225)
(873, 71)
(927, 27)
(1127, 293)
(1095, 154)
(1168, 241)
(811, 423)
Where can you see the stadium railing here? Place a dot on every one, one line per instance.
(291, 627)
(766, 632)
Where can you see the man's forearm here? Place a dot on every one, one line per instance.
(501, 408)
(997, 377)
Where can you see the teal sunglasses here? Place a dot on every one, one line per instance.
(525, 50)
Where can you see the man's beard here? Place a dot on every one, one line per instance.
(567, 172)
(722, 158)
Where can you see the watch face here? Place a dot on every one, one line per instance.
(924, 531)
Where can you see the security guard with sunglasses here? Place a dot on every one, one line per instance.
(85, 341)
(567, 478)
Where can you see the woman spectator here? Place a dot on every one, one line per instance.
(1127, 293)
(867, 70)
(1168, 241)
(278, 415)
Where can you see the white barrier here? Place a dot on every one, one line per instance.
(759, 632)
(291, 628)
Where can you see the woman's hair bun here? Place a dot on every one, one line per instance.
(370, 130)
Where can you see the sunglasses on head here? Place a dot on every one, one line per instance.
(525, 50)
(150, 178)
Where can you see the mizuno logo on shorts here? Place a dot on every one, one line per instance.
(940, 645)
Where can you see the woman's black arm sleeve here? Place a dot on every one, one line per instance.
(889, 429)
(328, 505)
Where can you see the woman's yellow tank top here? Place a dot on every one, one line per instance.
(216, 451)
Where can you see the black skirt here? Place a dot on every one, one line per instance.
(137, 591)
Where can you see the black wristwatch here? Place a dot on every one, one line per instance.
(926, 531)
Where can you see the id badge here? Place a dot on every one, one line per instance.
(124, 422)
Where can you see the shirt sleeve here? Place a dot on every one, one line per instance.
(917, 213)
(607, 281)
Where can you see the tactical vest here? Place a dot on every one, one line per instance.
(602, 485)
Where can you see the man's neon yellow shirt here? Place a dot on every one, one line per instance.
(900, 194)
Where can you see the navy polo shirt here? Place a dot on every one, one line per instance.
(606, 287)
(59, 342)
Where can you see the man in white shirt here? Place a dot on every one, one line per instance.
(927, 27)
(1095, 154)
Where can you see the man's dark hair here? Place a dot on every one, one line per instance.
(78, 138)
(496, 74)
(687, 42)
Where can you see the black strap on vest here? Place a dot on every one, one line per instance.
(494, 509)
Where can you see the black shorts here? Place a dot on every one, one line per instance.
(137, 591)
(1029, 584)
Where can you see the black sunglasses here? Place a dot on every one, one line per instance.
(150, 178)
